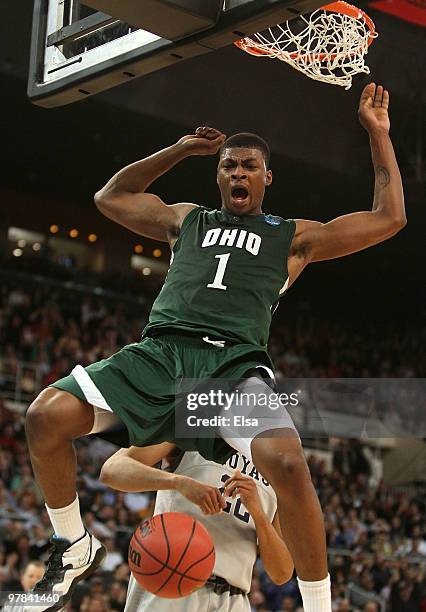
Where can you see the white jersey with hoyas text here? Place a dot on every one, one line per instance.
(233, 530)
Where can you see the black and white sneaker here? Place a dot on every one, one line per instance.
(68, 564)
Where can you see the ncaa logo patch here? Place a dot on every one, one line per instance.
(272, 220)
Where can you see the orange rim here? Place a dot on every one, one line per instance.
(241, 44)
(352, 11)
(335, 7)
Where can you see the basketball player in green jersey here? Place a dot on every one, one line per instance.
(210, 320)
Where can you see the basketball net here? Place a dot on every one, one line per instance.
(329, 45)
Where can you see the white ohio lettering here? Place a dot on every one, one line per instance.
(233, 237)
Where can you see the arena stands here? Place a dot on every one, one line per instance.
(376, 534)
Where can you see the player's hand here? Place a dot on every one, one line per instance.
(373, 109)
(205, 141)
(246, 489)
(207, 498)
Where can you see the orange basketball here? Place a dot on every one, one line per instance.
(171, 555)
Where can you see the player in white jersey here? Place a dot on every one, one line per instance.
(236, 505)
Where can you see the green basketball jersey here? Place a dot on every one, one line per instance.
(226, 276)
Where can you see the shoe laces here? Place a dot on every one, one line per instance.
(54, 565)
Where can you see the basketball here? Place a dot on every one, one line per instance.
(171, 555)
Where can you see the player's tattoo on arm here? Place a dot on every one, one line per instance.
(382, 176)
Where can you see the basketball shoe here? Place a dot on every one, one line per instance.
(68, 564)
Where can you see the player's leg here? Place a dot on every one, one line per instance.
(127, 385)
(277, 453)
(280, 459)
(53, 421)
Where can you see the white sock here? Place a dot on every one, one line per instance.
(67, 521)
(316, 596)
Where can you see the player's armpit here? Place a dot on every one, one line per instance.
(143, 213)
(344, 235)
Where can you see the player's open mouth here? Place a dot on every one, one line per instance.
(239, 194)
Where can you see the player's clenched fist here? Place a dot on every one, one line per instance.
(206, 497)
(205, 141)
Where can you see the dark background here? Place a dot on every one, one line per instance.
(56, 159)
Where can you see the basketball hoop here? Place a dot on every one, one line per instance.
(328, 45)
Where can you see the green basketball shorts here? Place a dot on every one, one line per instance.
(138, 384)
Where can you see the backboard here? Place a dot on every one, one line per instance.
(79, 48)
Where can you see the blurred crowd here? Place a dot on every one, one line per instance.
(376, 536)
(316, 346)
(56, 327)
(46, 329)
(51, 329)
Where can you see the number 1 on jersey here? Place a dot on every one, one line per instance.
(220, 272)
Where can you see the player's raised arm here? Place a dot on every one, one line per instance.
(124, 199)
(273, 551)
(129, 470)
(357, 231)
